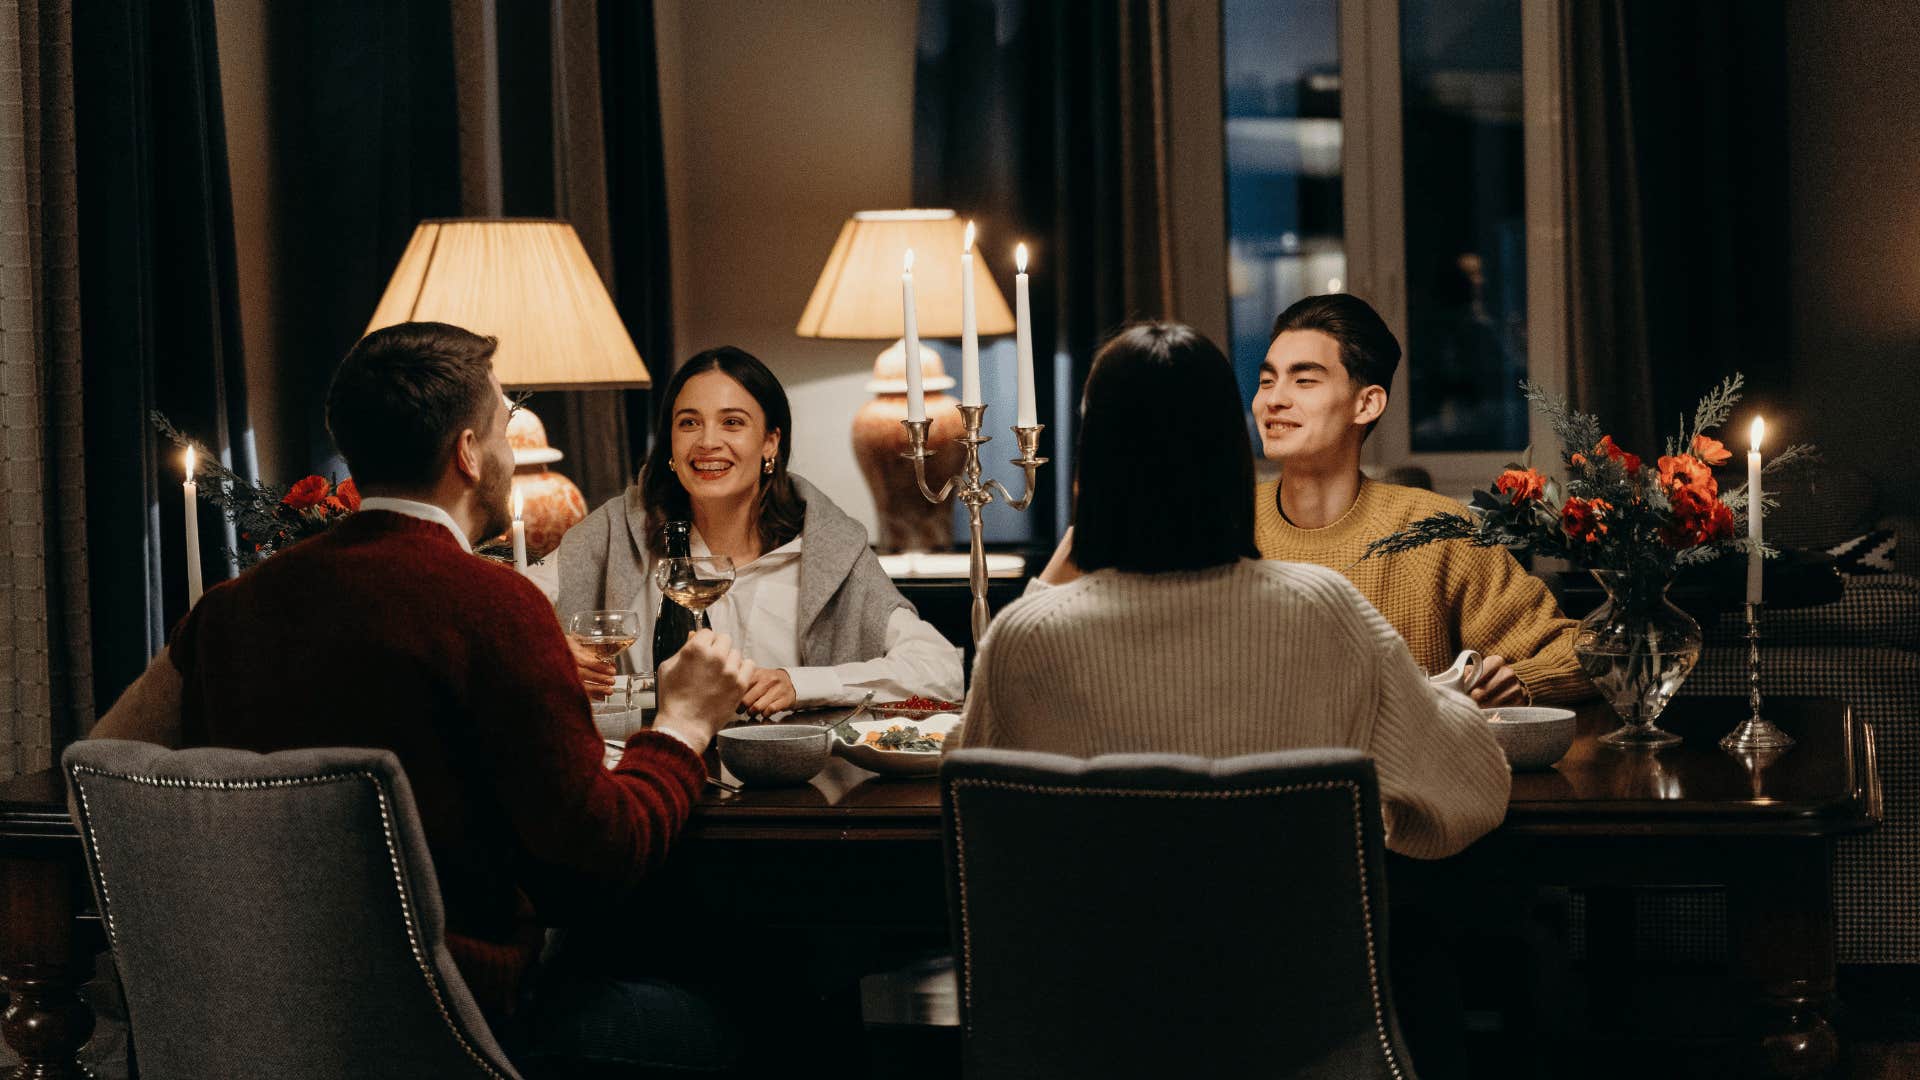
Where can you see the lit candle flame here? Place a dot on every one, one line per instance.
(189, 463)
(1759, 428)
(1020, 258)
(517, 496)
(968, 246)
(909, 268)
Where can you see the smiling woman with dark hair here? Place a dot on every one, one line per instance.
(810, 604)
(1164, 633)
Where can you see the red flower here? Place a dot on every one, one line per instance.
(309, 492)
(1698, 518)
(1686, 471)
(1576, 459)
(1580, 518)
(348, 493)
(1710, 450)
(1520, 485)
(1631, 462)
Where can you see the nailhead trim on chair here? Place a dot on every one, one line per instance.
(387, 833)
(1359, 849)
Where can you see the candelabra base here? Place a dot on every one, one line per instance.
(1755, 733)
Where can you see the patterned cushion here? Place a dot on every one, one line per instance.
(1866, 555)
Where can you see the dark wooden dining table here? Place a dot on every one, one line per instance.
(859, 852)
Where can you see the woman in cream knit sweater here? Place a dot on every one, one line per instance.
(1172, 637)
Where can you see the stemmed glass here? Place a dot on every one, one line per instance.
(606, 634)
(694, 582)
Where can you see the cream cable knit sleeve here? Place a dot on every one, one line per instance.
(1241, 659)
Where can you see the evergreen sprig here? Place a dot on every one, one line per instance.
(1578, 432)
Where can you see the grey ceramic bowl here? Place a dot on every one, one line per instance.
(1533, 738)
(774, 755)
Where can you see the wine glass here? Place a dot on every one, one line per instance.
(605, 634)
(694, 582)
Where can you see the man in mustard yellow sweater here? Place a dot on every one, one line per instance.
(1322, 388)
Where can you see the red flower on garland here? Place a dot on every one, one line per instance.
(1520, 485)
(1580, 518)
(1631, 462)
(307, 493)
(348, 493)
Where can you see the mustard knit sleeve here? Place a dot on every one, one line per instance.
(1503, 610)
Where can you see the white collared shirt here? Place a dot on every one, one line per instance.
(423, 510)
(761, 613)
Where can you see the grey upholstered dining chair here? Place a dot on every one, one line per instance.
(1154, 915)
(273, 915)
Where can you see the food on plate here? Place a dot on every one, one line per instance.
(916, 703)
(906, 738)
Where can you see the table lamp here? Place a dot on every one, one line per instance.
(858, 297)
(529, 283)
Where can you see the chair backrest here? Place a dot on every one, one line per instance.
(1156, 915)
(273, 915)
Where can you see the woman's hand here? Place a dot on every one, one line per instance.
(1498, 685)
(596, 675)
(771, 691)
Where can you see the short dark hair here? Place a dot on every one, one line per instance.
(1165, 469)
(1368, 350)
(781, 512)
(401, 397)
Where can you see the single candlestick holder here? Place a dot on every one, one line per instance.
(975, 492)
(1755, 732)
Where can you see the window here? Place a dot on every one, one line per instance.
(1407, 151)
(1285, 238)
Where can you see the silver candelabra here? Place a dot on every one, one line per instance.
(975, 492)
(1755, 732)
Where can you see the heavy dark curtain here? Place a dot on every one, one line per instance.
(45, 655)
(159, 316)
(577, 136)
(1047, 119)
(365, 145)
(1677, 162)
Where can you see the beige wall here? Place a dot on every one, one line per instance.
(781, 119)
(1854, 96)
(241, 32)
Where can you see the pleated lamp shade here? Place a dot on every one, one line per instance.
(858, 294)
(527, 282)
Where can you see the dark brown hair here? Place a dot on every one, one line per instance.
(1165, 468)
(781, 511)
(402, 396)
(1368, 350)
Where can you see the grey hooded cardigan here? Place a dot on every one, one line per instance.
(845, 597)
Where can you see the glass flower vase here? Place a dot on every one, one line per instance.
(1637, 648)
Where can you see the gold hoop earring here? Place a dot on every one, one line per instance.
(669, 464)
(766, 466)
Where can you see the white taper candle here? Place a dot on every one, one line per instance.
(1024, 408)
(1755, 512)
(910, 335)
(191, 489)
(519, 534)
(969, 328)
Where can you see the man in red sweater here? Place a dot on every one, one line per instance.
(387, 631)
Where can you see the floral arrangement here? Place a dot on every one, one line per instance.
(1612, 512)
(266, 517)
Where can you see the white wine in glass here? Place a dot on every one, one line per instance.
(605, 634)
(694, 583)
